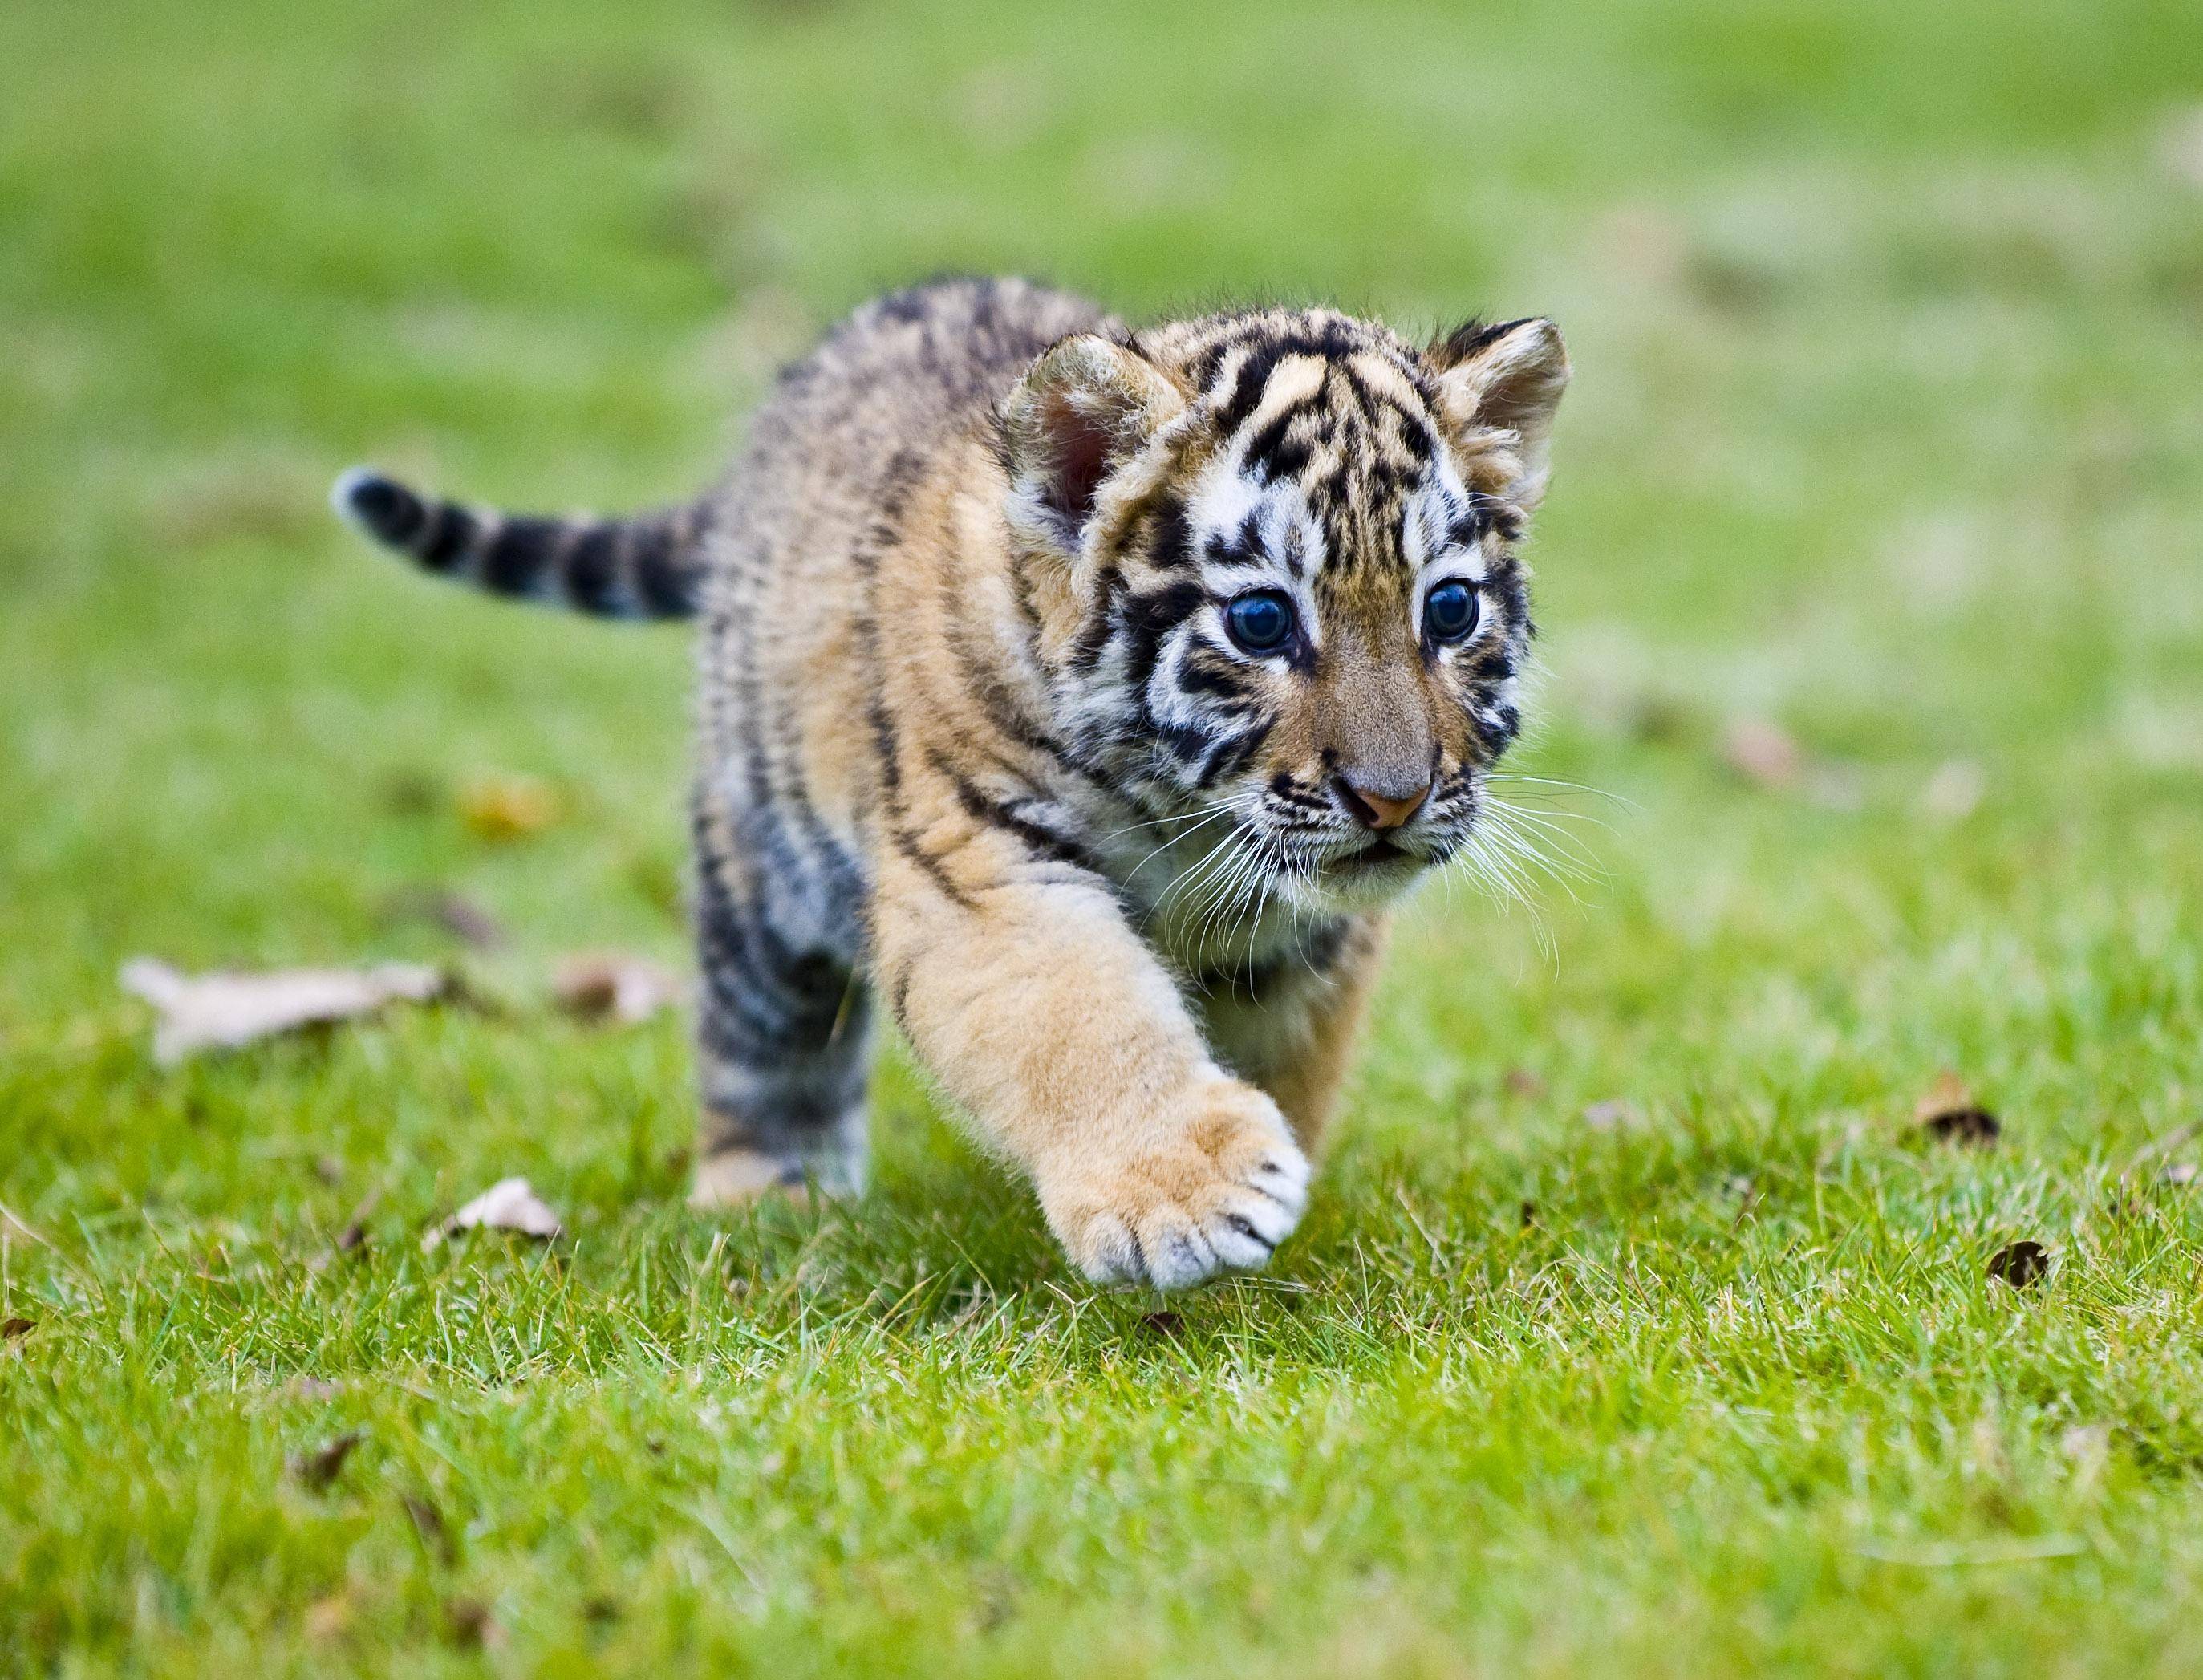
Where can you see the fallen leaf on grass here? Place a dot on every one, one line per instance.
(412, 792)
(470, 1623)
(508, 808)
(604, 986)
(317, 1470)
(1763, 754)
(1163, 1323)
(2022, 1264)
(2086, 1443)
(1954, 791)
(12, 1328)
(2180, 146)
(1949, 1114)
(454, 913)
(328, 1619)
(224, 1009)
(1766, 755)
(354, 1233)
(429, 1522)
(509, 1204)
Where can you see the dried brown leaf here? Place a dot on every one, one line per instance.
(470, 1622)
(1763, 754)
(224, 1009)
(1164, 1323)
(455, 914)
(412, 792)
(429, 1522)
(509, 1204)
(12, 1328)
(2180, 146)
(1947, 1093)
(1610, 1115)
(501, 808)
(354, 1231)
(1954, 792)
(2022, 1264)
(330, 1618)
(317, 1470)
(1949, 1114)
(1970, 1128)
(607, 985)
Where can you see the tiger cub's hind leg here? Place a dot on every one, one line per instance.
(783, 1041)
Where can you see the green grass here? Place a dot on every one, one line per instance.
(1888, 323)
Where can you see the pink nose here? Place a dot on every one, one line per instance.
(1375, 804)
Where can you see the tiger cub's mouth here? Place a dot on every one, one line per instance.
(1373, 855)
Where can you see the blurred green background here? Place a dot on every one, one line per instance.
(1885, 454)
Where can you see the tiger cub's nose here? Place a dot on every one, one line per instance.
(1380, 802)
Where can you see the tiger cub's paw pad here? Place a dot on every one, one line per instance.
(1219, 1192)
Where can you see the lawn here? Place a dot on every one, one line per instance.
(1637, 1327)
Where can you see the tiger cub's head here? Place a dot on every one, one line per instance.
(1280, 548)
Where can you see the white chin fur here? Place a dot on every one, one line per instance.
(1342, 893)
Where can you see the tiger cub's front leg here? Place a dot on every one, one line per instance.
(1021, 987)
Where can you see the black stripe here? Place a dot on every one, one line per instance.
(1094, 635)
(514, 562)
(907, 844)
(592, 571)
(662, 582)
(1232, 754)
(1247, 383)
(389, 509)
(996, 814)
(1330, 341)
(450, 532)
(1172, 544)
(1009, 718)
(1272, 453)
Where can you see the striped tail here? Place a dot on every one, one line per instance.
(650, 566)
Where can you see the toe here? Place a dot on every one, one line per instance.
(1264, 1219)
(1179, 1252)
(1238, 1244)
(1109, 1253)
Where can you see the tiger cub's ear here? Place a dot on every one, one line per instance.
(1079, 415)
(1499, 387)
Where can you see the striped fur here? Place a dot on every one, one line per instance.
(646, 567)
(982, 750)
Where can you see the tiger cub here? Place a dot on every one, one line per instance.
(1082, 695)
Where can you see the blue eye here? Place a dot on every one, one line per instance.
(1450, 611)
(1261, 621)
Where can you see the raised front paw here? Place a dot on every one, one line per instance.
(1216, 1188)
